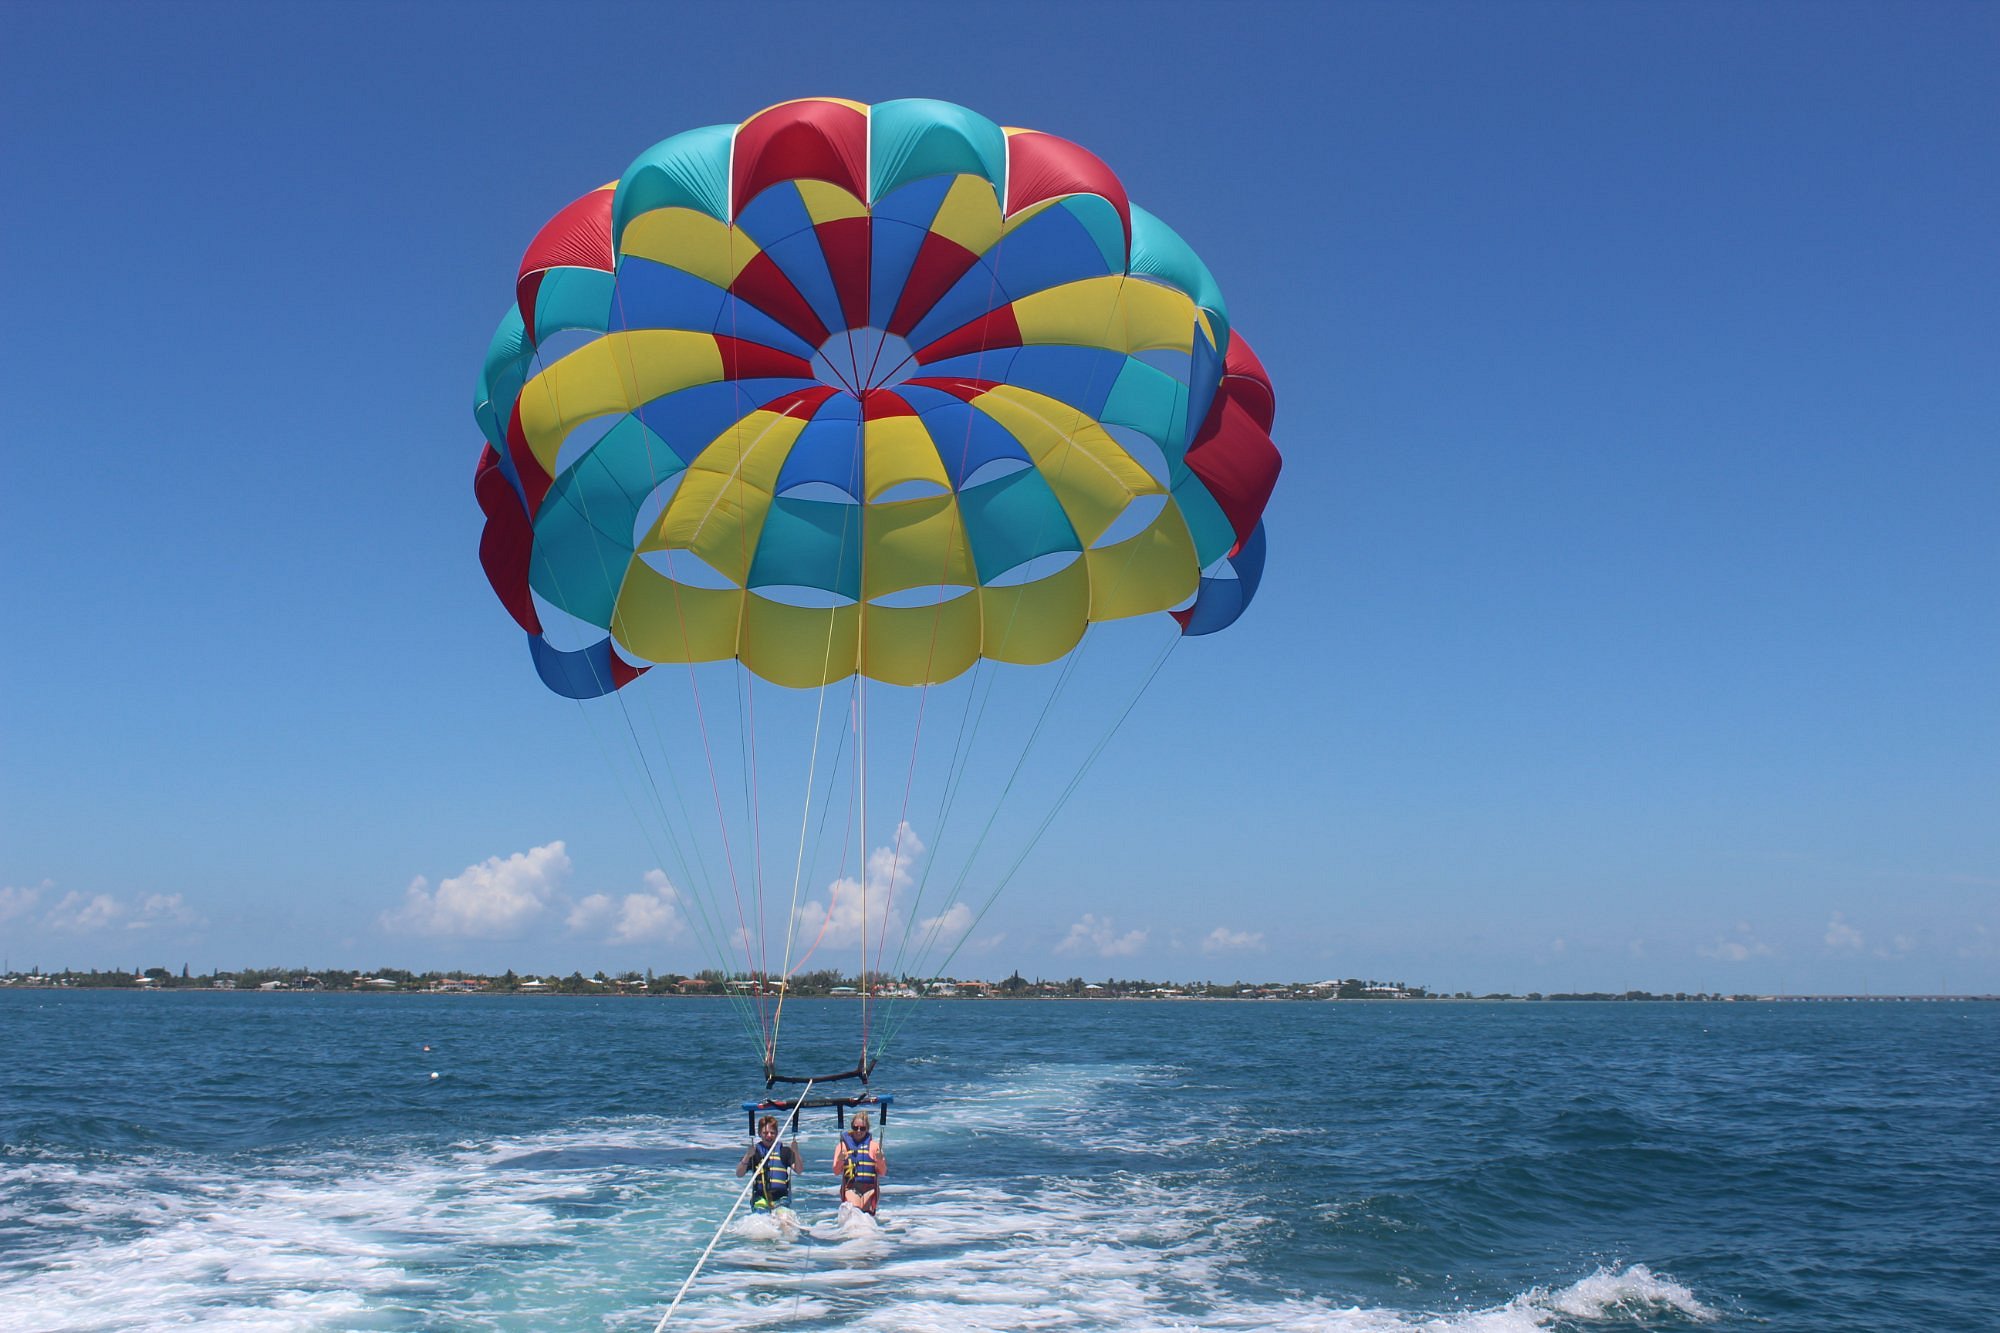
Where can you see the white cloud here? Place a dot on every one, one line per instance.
(948, 925)
(636, 918)
(161, 909)
(1224, 940)
(1739, 950)
(496, 899)
(1093, 934)
(840, 921)
(1840, 935)
(18, 901)
(1900, 946)
(83, 913)
(79, 913)
(1558, 945)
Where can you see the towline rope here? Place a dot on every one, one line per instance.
(784, 1129)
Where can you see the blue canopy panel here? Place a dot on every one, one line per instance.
(828, 451)
(659, 296)
(1204, 378)
(775, 214)
(966, 439)
(1219, 601)
(1054, 247)
(1063, 243)
(803, 262)
(902, 221)
(689, 420)
(1078, 377)
(584, 673)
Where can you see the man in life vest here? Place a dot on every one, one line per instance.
(860, 1164)
(774, 1163)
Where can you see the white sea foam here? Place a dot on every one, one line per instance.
(595, 1225)
(777, 1224)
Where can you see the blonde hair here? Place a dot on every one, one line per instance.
(860, 1118)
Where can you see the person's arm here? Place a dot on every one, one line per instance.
(749, 1160)
(881, 1159)
(840, 1158)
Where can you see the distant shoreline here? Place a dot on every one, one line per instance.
(200, 987)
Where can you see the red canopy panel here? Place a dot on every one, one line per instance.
(810, 140)
(1042, 166)
(577, 237)
(1246, 382)
(1235, 459)
(505, 542)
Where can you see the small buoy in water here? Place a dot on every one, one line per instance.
(434, 1073)
(427, 1048)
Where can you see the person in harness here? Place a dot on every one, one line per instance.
(774, 1163)
(859, 1162)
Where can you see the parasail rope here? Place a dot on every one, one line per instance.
(1061, 800)
(861, 768)
(703, 891)
(580, 501)
(705, 924)
(998, 252)
(728, 1217)
(805, 819)
(948, 801)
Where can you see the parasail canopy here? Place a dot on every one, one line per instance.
(879, 390)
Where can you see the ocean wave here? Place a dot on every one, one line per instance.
(597, 1223)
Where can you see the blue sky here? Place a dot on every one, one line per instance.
(1631, 614)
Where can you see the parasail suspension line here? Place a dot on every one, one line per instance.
(805, 819)
(1062, 799)
(788, 1127)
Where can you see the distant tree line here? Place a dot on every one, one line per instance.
(823, 982)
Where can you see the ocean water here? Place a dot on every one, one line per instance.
(287, 1162)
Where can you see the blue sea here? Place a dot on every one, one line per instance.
(286, 1161)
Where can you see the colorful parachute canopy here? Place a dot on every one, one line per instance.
(864, 389)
